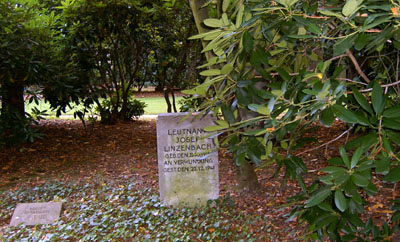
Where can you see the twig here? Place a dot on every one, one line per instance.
(387, 85)
(327, 143)
(373, 31)
(357, 66)
(349, 80)
(337, 57)
(314, 16)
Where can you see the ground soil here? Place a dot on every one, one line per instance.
(127, 152)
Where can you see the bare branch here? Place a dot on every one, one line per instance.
(357, 66)
(387, 85)
(327, 143)
(349, 80)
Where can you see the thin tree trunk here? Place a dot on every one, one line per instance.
(166, 96)
(173, 100)
(199, 15)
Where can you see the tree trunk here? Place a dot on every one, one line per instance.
(199, 15)
(124, 108)
(13, 100)
(246, 177)
(159, 87)
(173, 101)
(166, 96)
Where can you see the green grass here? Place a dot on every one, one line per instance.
(155, 105)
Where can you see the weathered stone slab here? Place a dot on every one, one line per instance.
(187, 161)
(36, 213)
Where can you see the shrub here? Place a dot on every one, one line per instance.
(15, 129)
(134, 109)
(190, 103)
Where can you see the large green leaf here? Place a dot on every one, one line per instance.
(359, 180)
(247, 42)
(356, 157)
(222, 123)
(328, 179)
(287, 3)
(344, 156)
(343, 45)
(376, 23)
(313, 28)
(340, 201)
(211, 72)
(318, 198)
(391, 123)
(242, 96)
(393, 136)
(362, 119)
(393, 112)
(331, 14)
(332, 169)
(228, 113)
(226, 69)
(213, 22)
(225, 5)
(362, 101)
(213, 128)
(325, 220)
(365, 141)
(361, 41)
(326, 207)
(262, 109)
(209, 33)
(327, 117)
(345, 114)
(350, 7)
(356, 221)
(282, 73)
(336, 161)
(382, 165)
(377, 99)
(394, 175)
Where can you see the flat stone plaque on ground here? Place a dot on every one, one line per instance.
(187, 163)
(36, 213)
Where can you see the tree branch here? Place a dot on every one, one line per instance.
(357, 66)
(327, 143)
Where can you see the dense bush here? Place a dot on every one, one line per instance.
(280, 66)
(135, 109)
(20, 128)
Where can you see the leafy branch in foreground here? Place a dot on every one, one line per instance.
(281, 66)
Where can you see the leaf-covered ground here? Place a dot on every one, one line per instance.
(107, 178)
(122, 212)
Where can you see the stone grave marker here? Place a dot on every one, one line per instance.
(36, 213)
(187, 163)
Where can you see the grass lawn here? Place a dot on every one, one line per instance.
(155, 105)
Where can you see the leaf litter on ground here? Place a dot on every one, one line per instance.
(126, 154)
